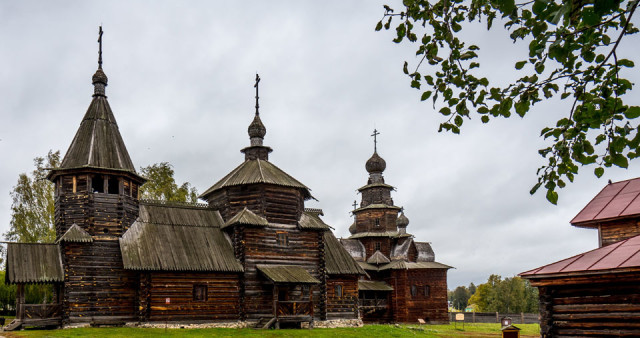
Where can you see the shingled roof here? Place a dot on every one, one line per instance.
(257, 171)
(312, 221)
(177, 238)
(76, 234)
(246, 217)
(287, 274)
(355, 248)
(402, 265)
(98, 143)
(338, 260)
(33, 263)
(378, 258)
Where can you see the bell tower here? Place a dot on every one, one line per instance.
(96, 200)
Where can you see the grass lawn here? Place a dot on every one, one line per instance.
(470, 330)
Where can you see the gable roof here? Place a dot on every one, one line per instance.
(401, 250)
(287, 274)
(257, 171)
(98, 143)
(425, 252)
(337, 260)
(312, 221)
(75, 234)
(33, 263)
(621, 255)
(402, 265)
(378, 258)
(246, 217)
(614, 201)
(177, 238)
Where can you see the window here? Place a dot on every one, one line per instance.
(378, 246)
(305, 291)
(377, 222)
(199, 293)
(282, 239)
(427, 291)
(414, 290)
(338, 291)
(97, 184)
(114, 186)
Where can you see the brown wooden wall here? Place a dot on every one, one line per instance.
(305, 249)
(365, 220)
(615, 231)
(370, 245)
(277, 204)
(432, 308)
(222, 301)
(594, 306)
(96, 285)
(345, 307)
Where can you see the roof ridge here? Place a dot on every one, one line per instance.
(260, 168)
(188, 205)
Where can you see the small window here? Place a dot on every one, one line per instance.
(378, 246)
(305, 291)
(338, 291)
(199, 293)
(114, 186)
(414, 290)
(97, 184)
(377, 222)
(282, 239)
(427, 291)
(106, 231)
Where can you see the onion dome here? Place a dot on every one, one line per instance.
(352, 228)
(99, 81)
(256, 128)
(402, 221)
(376, 164)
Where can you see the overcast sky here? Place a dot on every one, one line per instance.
(181, 79)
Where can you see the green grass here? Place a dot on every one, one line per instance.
(373, 331)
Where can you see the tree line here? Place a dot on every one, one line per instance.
(509, 295)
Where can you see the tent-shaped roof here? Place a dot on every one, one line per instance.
(257, 171)
(76, 234)
(338, 260)
(622, 255)
(177, 238)
(246, 217)
(287, 274)
(33, 263)
(616, 200)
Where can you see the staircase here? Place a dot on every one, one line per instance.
(265, 323)
(14, 325)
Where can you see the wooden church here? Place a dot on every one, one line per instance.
(253, 253)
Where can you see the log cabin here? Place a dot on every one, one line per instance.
(252, 253)
(596, 293)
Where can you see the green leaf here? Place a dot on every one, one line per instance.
(552, 197)
(599, 171)
(625, 63)
(445, 111)
(620, 160)
(535, 188)
(632, 112)
(458, 120)
(404, 68)
(379, 25)
(484, 119)
(425, 95)
(520, 64)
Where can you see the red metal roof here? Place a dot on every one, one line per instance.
(616, 200)
(623, 254)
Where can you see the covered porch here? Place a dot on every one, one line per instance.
(374, 300)
(292, 295)
(35, 263)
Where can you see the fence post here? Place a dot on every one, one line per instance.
(522, 317)
(497, 317)
(474, 316)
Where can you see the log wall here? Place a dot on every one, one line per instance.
(366, 220)
(370, 245)
(432, 307)
(170, 296)
(345, 307)
(595, 306)
(615, 231)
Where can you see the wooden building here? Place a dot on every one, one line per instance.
(252, 253)
(597, 293)
(404, 282)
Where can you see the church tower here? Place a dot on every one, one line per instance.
(96, 200)
(376, 219)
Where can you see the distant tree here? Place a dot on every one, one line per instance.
(7, 297)
(508, 296)
(569, 50)
(162, 186)
(472, 289)
(460, 298)
(32, 206)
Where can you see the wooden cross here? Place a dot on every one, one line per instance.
(256, 87)
(100, 48)
(375, 140)
(355, 205)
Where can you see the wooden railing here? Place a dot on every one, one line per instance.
(373, 303)
(294, 308)
(42, 311)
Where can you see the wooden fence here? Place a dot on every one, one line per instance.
(494, 317)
